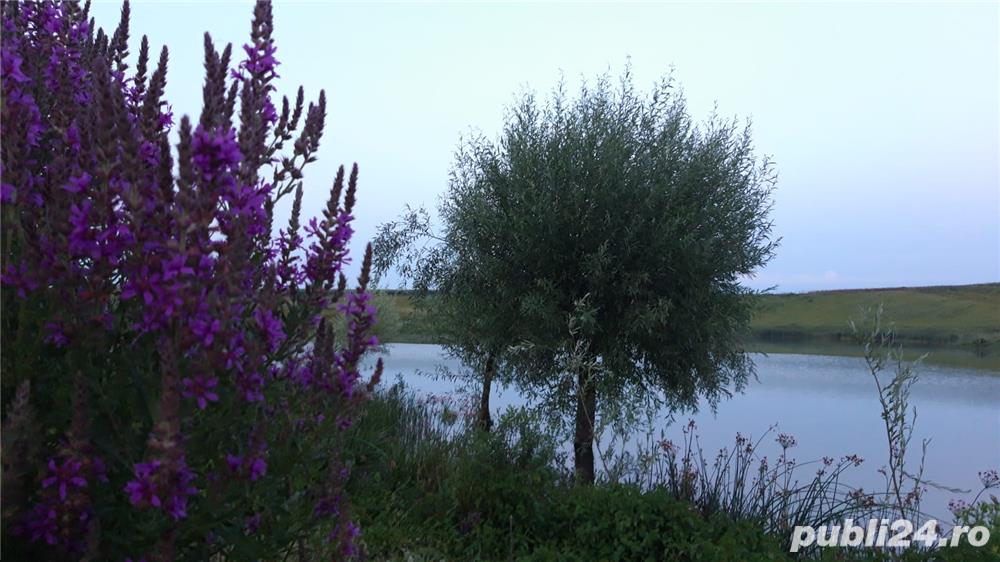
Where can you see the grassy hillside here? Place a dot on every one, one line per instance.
(959, 324)
(948, 315)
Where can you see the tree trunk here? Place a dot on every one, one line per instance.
(484, 421)
(583, 439)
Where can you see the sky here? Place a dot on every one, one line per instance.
(882, 118)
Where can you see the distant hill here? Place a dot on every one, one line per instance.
(960, 315)
(960, 323)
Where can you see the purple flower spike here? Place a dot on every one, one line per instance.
(272, 328)
(130, 240)
(215, 152)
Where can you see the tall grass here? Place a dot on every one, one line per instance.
(740, 482)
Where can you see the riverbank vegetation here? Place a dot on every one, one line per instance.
(957, 325)
(436, 486)
(431, 485)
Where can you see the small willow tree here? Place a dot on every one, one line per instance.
(607, 235)
(448, 294)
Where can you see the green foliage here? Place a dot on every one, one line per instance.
(622, 523)
(621, 199)
(608, 228)
(428, 488)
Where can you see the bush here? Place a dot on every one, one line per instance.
(171, 383)
(430, 487)
(624, 523)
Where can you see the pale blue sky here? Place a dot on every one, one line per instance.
(882, 118)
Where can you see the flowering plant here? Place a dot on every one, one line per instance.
(173, 388)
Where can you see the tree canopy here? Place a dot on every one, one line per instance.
(602, 240)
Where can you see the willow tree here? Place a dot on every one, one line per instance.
(448, 295)
(608, 234)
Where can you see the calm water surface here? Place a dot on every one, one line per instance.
(829, 404)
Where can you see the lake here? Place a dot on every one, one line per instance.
(829, 404)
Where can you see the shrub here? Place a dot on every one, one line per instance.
(171, 384)
(624, 523)
(463, 494)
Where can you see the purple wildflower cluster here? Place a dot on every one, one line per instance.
(154, 480)
(152, 267)
(64, 508)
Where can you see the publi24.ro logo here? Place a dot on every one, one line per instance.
(880, 533)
